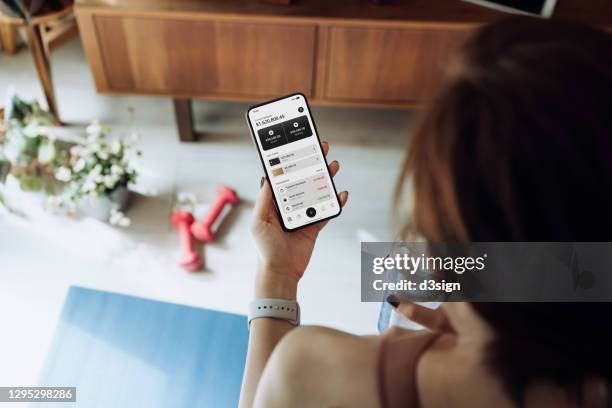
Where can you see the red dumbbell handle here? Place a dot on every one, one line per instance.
(186, 240)
(214, 212)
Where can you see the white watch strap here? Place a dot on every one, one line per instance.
(276, 308)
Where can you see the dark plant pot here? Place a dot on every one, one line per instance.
(123, 197)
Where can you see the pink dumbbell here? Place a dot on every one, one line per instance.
(204, 230)
(190, 260)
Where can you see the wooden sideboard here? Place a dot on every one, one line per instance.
(337, 52)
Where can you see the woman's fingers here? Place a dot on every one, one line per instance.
(433, 319)
(264, 203)
(333, 167)
(343, 198)
(325, 146)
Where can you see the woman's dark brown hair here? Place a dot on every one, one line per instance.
(517, 146)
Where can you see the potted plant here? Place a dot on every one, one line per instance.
(73, 174)
(28, 156)
(97, 176)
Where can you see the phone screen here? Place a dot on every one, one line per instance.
(292, 157)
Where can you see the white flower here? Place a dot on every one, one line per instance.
(14, 144)
(97, 169)
(115, 146)
(98, 178)
(63, 174)
(85, 151)
(79, 165)
(46, 151)
(109, 181)
(76, 150)
(116, 169)
(89, 186)
(94, 130)
(118, 218)
(102, 154)
(115, 216)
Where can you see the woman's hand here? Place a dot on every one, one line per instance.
(434, 320)
(284, 256)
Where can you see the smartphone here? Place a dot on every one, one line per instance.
(292, 157)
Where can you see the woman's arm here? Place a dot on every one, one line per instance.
(321, 367)
(284, 257)
(264, 335)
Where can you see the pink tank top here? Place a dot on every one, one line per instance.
(399, 354)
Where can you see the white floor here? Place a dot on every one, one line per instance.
(42, 256)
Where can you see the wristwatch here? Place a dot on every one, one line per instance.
(275, 308)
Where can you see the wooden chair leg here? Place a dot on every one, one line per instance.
(56, 33)
(41, 60)
(184, 119)
(8, 38)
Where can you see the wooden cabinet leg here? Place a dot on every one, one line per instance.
(41, 60)
(184, 119)
(8, 38)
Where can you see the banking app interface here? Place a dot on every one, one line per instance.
(294, 161)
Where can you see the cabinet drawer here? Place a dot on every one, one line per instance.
(387, 65)
(169, 56)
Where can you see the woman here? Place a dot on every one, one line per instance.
(516, 147)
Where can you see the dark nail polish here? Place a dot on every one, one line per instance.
(261, 183)
(393, 300)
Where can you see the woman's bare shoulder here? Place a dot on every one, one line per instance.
(331, 367)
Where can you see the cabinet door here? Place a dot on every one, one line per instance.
(387, 65)
(171, 56)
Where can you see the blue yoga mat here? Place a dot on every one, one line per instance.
(124, 351)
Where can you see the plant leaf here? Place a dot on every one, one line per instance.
(30, 183)
(5, 168)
